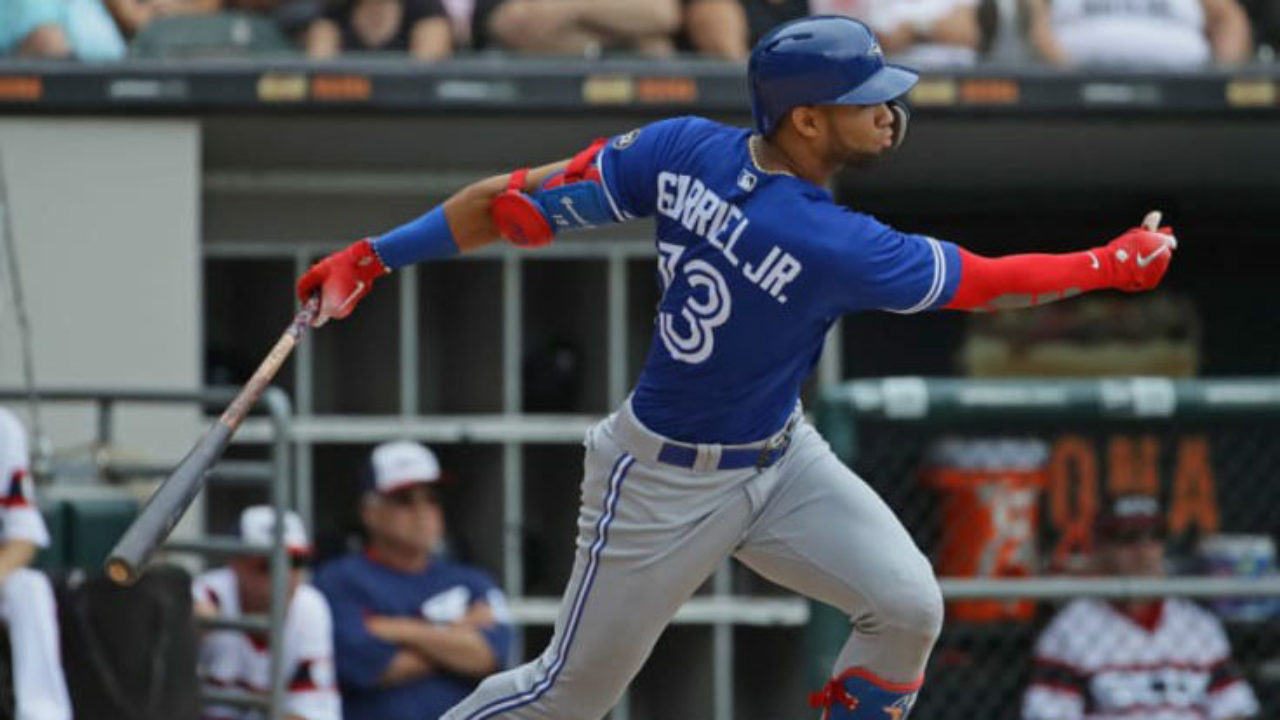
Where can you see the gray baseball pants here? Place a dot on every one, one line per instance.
(649, 534)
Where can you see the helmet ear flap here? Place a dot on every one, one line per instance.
(901, 118)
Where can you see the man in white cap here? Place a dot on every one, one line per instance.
(238, 659)
(26, 599)
(414, 632)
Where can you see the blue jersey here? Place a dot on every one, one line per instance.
(754, 269)
(357, 586)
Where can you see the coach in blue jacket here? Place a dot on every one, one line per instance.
(413, 632)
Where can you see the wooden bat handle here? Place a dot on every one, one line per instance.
(257, 384)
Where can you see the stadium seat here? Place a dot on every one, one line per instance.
(83, 527)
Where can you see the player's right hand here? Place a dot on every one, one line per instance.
(1138, 259)
(342, 279)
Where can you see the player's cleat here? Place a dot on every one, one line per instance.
(859, 695)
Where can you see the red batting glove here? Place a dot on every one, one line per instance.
(1138, 259)
(342, 279)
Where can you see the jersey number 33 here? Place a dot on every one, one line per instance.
(691, 337)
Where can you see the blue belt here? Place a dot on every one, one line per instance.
(686, 456)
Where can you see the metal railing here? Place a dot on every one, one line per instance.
(276, 473)
(924, 443)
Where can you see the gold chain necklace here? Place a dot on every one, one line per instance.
(755, 159)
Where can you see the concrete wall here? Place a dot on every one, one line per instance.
(105, 214)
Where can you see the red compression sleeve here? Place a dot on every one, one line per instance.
(1017, 281)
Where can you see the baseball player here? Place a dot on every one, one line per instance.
(237, 659)
(1146, 659)
(710, 455)
(26, 598)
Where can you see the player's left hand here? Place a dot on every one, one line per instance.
(342, 279)
(1138, 259)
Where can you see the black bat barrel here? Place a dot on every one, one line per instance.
(165, 507)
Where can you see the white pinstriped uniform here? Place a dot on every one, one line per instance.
(26, 598)
(1095, 663)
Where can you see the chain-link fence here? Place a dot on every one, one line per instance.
(1106, 547)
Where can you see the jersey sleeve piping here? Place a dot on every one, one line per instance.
(938, 284)
(619, 214)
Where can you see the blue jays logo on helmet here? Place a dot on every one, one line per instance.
(820, 60)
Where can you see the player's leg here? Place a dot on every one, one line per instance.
(647, 538)
(27, 607)
(823, 532)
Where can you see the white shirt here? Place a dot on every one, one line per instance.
(20, 519)
(1131, 33)
(884, 16)
(1094, 662)
(232, 658)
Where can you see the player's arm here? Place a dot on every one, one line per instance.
(527, 208)
(461, 648)
(908, 273)
(625, 18)
(1042, 35)
(1229, 695)
(361, 659)
(1135, 261)
(405, 666)
(24, 528)
(959, 26)
(14, 554)
(1058, 688)
(1228, 28)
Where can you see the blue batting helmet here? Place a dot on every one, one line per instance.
(820, 60)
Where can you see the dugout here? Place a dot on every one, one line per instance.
(500, 361)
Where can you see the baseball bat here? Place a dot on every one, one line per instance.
(170, 501)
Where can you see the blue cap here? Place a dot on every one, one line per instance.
(820, 60)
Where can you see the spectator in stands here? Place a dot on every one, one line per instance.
(578, 27)
(1121, 33)
(1264, 16)
(240, 660)
(920, 34)
(414, 633)
(134, 15)
(1138, 659)
(27, 605)
(729, 28)
(418, 27)
(59, 29)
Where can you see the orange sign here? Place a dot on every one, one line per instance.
(341, 88)
(666, 90)
(989, 91)
(1133, 466)
(20, 88)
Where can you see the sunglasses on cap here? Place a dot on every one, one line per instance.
(407, 497)
(261, 564)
